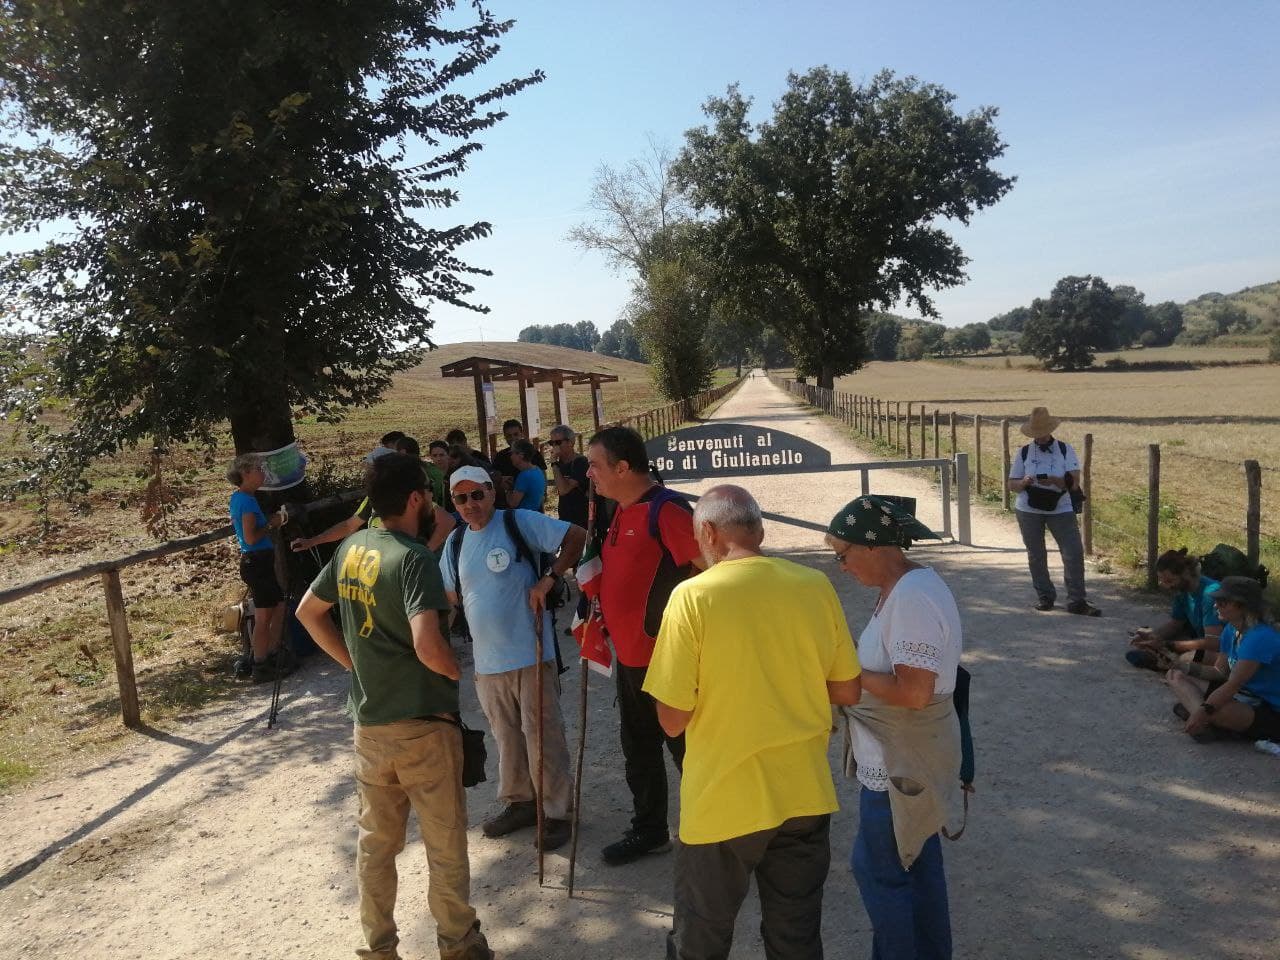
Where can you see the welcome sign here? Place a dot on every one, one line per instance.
(733, 450)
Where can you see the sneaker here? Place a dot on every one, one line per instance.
(1083, 608)
(555, 833)
(1181, 712)
(515, 816)
(1043, 605)
(1143, 660)
(633, 846)
(473, 946)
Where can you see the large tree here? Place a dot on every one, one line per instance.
(671, 311)
(241, 206)
(838, 200)
(1078, 317)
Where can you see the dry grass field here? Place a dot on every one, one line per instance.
(58, 689)
(1207, 422)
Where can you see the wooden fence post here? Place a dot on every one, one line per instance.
(924, 454)
(1153, 512)
(122, 649)
(936, 448)
(910, 423)
(977, 454)
(1004, 449)
(897, 417)
(1086, 487)
(1253, 509)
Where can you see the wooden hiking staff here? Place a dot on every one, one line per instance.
(582, 708)
(538, 701)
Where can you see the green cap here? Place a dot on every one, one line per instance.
(875, 521)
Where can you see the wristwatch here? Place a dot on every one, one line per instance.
(1208, 708)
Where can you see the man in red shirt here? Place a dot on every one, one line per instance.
(639, 571)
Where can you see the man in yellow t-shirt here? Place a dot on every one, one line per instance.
(750, 655)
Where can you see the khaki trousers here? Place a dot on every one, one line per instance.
(510, 701)
(418, 764)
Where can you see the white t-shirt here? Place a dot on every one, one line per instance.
(1040, 461)
(918, 626)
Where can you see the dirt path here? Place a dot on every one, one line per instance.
(1098, 829)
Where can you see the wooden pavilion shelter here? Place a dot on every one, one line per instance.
(486, 371)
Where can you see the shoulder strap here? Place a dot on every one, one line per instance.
(517, 538)
(455, 553)
(664, 495)
(1023, 453)
(1062, 448)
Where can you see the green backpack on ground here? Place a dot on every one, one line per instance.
(1225, 560)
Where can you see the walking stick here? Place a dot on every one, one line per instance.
(538, 699)
(582, 711)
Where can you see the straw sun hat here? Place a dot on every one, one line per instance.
(1040, 424)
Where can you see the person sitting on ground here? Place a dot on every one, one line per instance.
(1247, 702)
(366, 515)
(459, 437)
(529, 489)
(1193, 625)
(258, 564)
(513, 430)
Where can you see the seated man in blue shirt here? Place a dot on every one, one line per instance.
(529, 489)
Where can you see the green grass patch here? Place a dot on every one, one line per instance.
(14, 772)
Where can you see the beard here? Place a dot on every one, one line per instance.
(426, 520)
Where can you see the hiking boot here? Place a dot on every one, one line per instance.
(1043, 605)
(555, 833)
(513, 817)
(264, 671)
(472, 947)
(633, 846)
(1083, 608)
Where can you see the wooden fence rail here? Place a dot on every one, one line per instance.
(117, 614)
(660, 420)
(873, 418)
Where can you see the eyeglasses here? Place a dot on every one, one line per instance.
(841, 554)
(461, 498)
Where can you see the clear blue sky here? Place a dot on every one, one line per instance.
(1145, 135)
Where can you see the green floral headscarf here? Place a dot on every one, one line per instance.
(875, 521)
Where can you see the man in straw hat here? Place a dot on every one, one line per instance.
(1041, 474)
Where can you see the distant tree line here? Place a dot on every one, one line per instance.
(576, 336)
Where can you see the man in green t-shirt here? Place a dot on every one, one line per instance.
(404, 697)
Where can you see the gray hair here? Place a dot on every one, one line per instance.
(241, 465)
(563, 431)
(729, 506)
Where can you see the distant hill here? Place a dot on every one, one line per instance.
(1261, 303)
(535, 354)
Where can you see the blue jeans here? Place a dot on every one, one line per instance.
(908, 908)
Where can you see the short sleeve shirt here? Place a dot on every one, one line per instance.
(532, 482)
(1196, 608)
(380, 580)
(573, 505)
(1260, 643)
(918, 626)
(749, 646)
(1052, 462)
(242, 503)
(495, 589)
(629, 564)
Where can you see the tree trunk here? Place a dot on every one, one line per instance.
(826, 377)
(263, 425)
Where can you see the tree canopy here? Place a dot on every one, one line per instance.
(234, 227)
(835, 202)
(582, 335)
(1078, 317)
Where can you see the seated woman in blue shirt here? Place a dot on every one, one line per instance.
(1247, 702)
(1193, 626)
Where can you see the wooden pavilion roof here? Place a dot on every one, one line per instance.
(499, 370)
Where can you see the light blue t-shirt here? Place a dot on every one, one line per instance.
(1197, 608)
(532, 482)
(1260, 643)
(495, 589)
(242, 503)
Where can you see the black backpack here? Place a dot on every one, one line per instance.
(1225, 560)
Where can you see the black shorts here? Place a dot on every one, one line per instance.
(258, 571)
(1266, 723)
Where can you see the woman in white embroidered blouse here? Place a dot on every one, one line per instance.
(909, 652)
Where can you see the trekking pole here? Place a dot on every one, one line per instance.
(537, 629)
(582, 710)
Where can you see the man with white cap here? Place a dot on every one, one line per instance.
(1042, 474)
(492, 566)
